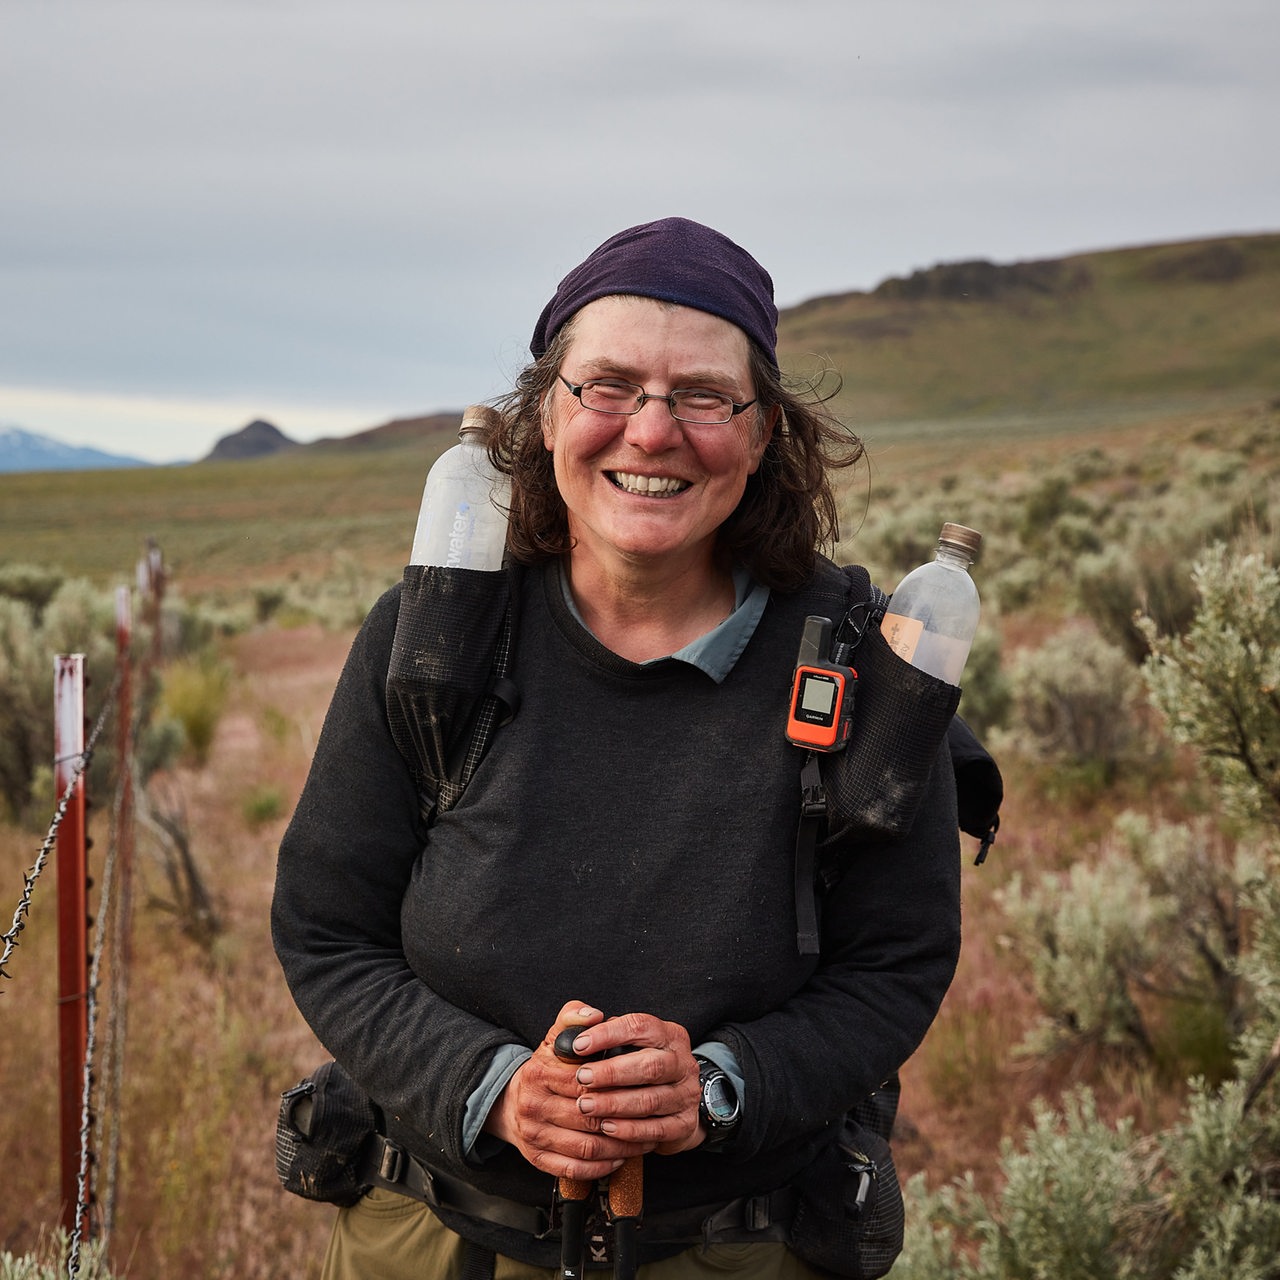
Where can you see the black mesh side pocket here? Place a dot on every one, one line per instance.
(453, 629)
(900, 720)
(324, 1123)
(849, 1217)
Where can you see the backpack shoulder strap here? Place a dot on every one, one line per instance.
(498, 707)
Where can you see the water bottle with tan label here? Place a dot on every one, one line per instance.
(933, 615)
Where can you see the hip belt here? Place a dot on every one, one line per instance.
(747, 1219)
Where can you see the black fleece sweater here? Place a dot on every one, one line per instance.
(628, 841)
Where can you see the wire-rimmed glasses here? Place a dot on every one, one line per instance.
(687, 404)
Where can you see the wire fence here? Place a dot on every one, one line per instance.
(101, 1073)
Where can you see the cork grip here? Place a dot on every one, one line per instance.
(626, 1189)
(574, 1189)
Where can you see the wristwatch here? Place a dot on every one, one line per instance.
(719, 1108)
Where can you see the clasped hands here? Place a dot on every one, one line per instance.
(582, 1121)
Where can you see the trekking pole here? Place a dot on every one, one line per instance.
(626, 1199)
(574, 1192)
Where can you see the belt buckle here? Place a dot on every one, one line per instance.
(391, 1162)
(755, 1214)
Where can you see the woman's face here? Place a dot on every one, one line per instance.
(647, 489)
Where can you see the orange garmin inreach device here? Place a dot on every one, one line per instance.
(821, 693)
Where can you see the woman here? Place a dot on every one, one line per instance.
(621, 861)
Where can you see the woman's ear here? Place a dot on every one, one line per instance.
(767, 424)
(544, 417)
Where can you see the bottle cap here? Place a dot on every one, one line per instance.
(961, 538)
(478, 419)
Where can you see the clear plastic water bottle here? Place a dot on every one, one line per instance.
(933, 615)
(462, 523)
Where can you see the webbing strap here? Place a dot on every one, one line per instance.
(988, 840)
(478, 1263)
(813, 811)
(499, 705)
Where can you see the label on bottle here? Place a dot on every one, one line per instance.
(903, 634)
(460, 537)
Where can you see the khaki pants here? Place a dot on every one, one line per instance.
(390, 1237)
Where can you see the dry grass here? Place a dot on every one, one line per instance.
(213, 1035)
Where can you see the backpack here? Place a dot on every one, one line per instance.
(448, 692)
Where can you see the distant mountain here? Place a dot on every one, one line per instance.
(25, 451)
(431, 428)
(257, 440)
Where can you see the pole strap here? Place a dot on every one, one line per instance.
(813, 813)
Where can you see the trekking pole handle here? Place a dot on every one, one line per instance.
(574, 1192)
(562, 1047)
(626, 1184)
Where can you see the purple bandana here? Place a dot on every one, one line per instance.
(673, 260)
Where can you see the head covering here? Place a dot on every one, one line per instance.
(673, 260)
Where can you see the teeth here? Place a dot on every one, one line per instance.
(651, 485)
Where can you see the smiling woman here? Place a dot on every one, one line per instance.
(589, 966)
(787, 509)
(646, 493)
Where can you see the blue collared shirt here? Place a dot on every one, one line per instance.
(722, 646)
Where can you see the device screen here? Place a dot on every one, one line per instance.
(818, 695)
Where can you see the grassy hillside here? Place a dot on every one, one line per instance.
(217, 522)
(1145, 331)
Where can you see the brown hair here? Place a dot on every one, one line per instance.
(787, 512)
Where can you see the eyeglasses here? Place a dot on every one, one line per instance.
(706, 408)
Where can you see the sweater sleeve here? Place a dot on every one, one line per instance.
(344, 864)
(890, 944)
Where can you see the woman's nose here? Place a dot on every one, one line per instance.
(653, 428)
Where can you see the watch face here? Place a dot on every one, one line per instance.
(720, 1100)
(720, 1103)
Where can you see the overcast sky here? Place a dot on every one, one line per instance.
(331, 214)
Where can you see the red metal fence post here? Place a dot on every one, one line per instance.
(73, 923)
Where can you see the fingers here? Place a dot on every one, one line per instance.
(648, 1093)
(582, 1120)
(655, 1116)
(643, 1052)
(553, 1134)
(537, 1112)
(632, 1030)
(574, 1013)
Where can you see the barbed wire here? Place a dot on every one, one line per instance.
(23, 909)
(120, 946)
(105, 903)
